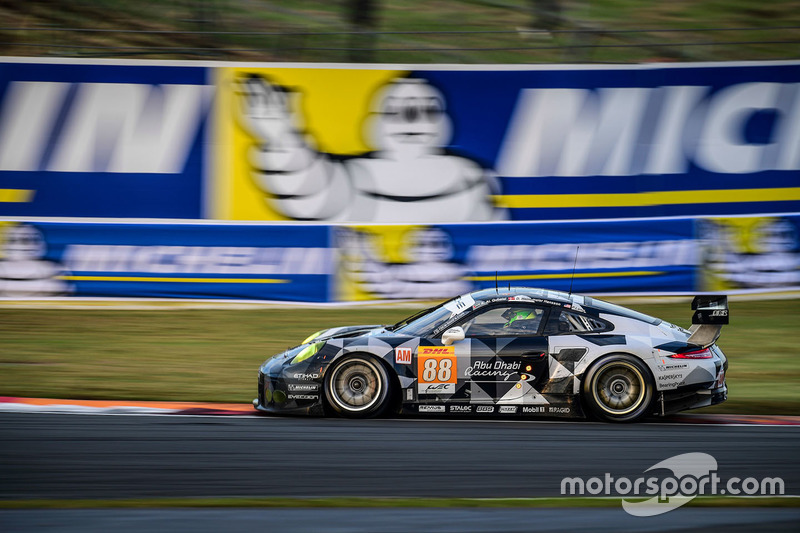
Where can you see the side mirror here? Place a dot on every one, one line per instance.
(453, 335)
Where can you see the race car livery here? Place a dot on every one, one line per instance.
(515, 352)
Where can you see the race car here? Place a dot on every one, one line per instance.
(515, 352)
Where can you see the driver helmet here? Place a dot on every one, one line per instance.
(522, 314)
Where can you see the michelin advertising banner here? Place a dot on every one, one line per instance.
(373, 145)
(79, 139)
(376, 144)
(316, 263)
(422, 261)
(266, 262)
(749, 253)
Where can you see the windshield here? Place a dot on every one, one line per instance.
(423, 322)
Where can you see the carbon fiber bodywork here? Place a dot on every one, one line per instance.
(495, 370)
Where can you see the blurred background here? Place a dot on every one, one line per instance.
(406, 31)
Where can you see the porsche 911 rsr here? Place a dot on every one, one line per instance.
(515, 352)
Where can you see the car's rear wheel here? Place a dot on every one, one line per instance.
(358, 387)
(618, 388)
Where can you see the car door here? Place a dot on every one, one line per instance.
(503, 357)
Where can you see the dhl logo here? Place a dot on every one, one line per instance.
(436, 350)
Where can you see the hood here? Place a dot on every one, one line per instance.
(343, 332)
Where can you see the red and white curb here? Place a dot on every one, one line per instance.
(49, 405)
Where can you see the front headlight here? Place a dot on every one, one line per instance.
(312, 337)
(307, 352)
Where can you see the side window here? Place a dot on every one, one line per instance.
(565, 322)
(505, 321)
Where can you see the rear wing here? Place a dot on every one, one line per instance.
(710, 314)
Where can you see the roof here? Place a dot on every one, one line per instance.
(544, 294)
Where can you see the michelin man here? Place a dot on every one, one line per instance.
(409, 178)
(429, 272)
(23, 270)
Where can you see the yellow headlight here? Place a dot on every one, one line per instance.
(307, 352)
(312, 337)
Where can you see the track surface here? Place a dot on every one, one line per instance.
(396, 520)
(122, 456)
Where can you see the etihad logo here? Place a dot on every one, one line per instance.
(437, 350)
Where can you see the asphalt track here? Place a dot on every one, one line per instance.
(105, 456)
(124, 456)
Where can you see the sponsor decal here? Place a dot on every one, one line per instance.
(533, 409)
(437, 370)
(436, 350)
(402, 356)
(507, 409)
(484, 409)
(409, 394)
(303, 396)
(499, 371)
(558, 410)
(665, 367)
(431, 409)
(460, 408)
(306, 377)
(459, 305)
(437, 388)
(303, 387)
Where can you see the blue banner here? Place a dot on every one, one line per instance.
(321, 263)
(157, 260)
(101, 140)
(639, 141)
(388, 262)
(433, 144)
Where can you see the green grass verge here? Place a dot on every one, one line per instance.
(213, 355)
(359, 502)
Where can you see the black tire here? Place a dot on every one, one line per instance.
(618, 388)
(358, 386)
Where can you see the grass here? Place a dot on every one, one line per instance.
(584, 24)
(213, 355)
(356, 502)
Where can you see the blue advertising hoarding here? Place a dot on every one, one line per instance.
(82, 139)
(460, 144)
(423, 261)
(259, 262)
(323, 263)
(637, 141)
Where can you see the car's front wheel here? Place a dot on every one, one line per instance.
(618, 388)
(358, 387)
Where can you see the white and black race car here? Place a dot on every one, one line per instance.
(515, 352)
